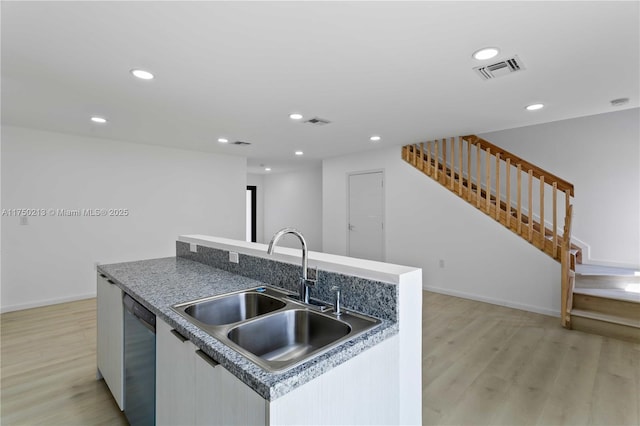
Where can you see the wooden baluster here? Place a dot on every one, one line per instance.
(543, 229)
(444, 161)
(498, 208)
(530, 205)
(453, 164)
(555, 220)
(567, 198)
(478, 176)
(487, 189)
(415, 156)
(460, 166)
(435, 155)
(429, 158)
(421, 152)
(519, 199)
(468, 171)
(508, 192)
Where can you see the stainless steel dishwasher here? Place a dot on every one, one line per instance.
(139, 363)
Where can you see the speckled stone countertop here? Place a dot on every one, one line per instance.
(161, 283)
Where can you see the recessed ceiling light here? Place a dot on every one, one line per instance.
(534, 107)
(223, 140)
(100, 120)
(375, 138)
(267, 169)
(486, 53)
(142, 74)
(299, 153)
(295, 116)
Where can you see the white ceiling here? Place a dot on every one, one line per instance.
(402, 70)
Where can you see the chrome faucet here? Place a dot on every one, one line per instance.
(305, 282)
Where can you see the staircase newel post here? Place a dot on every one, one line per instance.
(498, 201)
(509, 193)
(530, 212)
(543, 228)
(555, 220)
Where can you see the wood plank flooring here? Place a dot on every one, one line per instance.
(482, 364)
(490, 365)
(48, 368)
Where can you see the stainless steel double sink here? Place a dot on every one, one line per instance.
(270, 328)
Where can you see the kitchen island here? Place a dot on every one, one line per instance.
(372, 378)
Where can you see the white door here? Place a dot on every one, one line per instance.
(366, 216)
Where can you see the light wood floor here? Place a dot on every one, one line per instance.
(48, 368)
(482, 364)
(486, 364)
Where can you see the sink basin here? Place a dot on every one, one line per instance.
(232, 308)
(267, 326)
(288, 335)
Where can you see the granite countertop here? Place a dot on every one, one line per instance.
(161, 283)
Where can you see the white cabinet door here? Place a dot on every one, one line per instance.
(222, 399)
(110, 350)
(175, 377)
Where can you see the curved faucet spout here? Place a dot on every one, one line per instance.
(304, 282)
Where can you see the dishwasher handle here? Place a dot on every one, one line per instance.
(145, 316)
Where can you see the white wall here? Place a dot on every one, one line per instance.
(294, 199)
(426, 223)
(600, 155)
(168, 192)
(258, 181)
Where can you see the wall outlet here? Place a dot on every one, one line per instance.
(233, 257)
(193, 248)
(441, 263)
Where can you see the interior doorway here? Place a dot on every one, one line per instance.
(365, 230)
(251, 214)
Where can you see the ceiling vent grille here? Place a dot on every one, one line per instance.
(316, 121)
(241, 143)
(499, 69)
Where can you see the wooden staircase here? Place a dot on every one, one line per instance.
(510, 190)
(603, 304)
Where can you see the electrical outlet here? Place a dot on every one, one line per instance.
(193, 248)
(441, 263)
(233, 257)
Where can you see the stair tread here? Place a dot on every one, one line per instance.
(606, 317)
(610, 293)
(587, 270)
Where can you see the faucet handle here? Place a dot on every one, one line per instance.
(310, 282)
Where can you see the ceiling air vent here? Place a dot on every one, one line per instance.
(241, 143)
(317, 121)
(498, 69)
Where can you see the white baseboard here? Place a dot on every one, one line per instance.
(500, 302)
(40, 303)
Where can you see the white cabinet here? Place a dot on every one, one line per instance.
(175, 372)
(192, 389)
(110, 350)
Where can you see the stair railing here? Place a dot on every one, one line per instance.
(497, 182)
(483, 174)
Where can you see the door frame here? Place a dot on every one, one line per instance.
(254, 212)
(384, 209)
